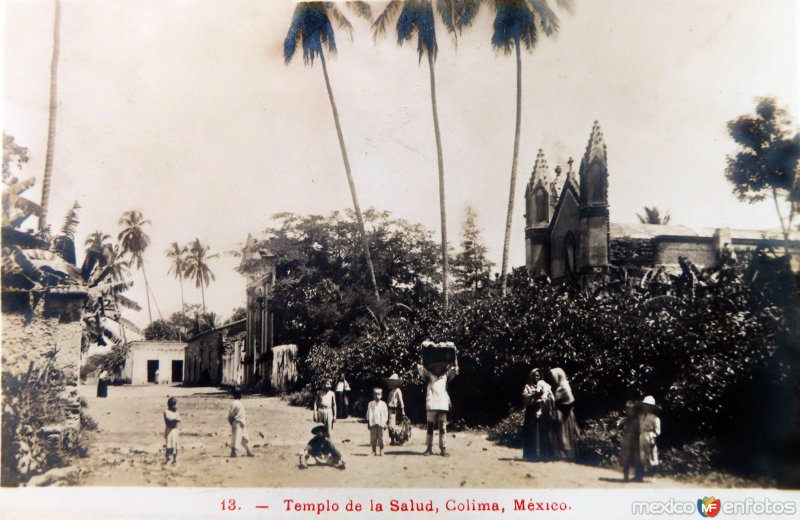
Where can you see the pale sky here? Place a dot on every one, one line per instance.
(184, 110)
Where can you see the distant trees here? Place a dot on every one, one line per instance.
(766, 162)
(321, 293)
(472, 269)
(654, 216)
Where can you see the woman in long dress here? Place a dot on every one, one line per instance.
(538, 438)
(102, 384)
(342, 397)
(566, 428)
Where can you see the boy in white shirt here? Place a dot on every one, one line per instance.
(377, 417)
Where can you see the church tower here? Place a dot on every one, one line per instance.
(539, 206)
(594, 214)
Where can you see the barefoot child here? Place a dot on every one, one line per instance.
(377, 418)
(629, 453)
(325, 407)
(171, 432)
(321, 448)
(238, 422)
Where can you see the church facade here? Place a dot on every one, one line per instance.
(569, 234)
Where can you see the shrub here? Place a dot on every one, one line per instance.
(35, 433)
(508, 432)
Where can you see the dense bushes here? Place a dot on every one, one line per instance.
(713, 353)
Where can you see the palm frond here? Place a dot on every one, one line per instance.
(127, 302)
(336, 13)
(71, 221)
(416, 18)
(458, 14)
(361, 9)
(548, 20)
(567, 5)
(385, 18)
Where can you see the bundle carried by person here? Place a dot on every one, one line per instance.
(436, 357)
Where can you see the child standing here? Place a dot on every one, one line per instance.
(629, 453)
(238, 422)
(171, 433)
(377, 418)
(396, 408)
(649, 430)
(325, 407)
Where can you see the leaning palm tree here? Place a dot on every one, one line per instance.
(178, 256)
(312, 30)
(416, 18)
(197, 267)
(653, 216)
(51, 120)
(134, 241)
(515, 25)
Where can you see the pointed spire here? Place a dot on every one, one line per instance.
(540, 168)
(596, 149)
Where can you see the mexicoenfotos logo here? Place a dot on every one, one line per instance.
(708, 507)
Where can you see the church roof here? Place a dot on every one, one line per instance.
(647, 231)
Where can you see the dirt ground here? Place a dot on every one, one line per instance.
(128, 450)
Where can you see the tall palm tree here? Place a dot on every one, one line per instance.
(311, 29)
(515, 25)
(197, 268)
(134, 241)
(177, 254)
(653, 216)
(51, 120)
(416, 19)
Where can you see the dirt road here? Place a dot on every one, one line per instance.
(129, 450)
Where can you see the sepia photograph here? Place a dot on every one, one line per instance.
(423, 244)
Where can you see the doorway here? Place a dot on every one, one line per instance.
(177, 371)
(152, 368)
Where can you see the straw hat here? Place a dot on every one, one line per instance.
(649, 403)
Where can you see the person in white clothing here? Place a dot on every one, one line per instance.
(437, 402)
(377, 417)
(238, 422)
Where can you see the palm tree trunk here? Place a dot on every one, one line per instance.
(51, 120)
(510, 214)
(147, 290)
(203, 296)
(183, 303)
(356, 205)
(442, 207)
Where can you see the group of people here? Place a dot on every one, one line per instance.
(550, 430)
